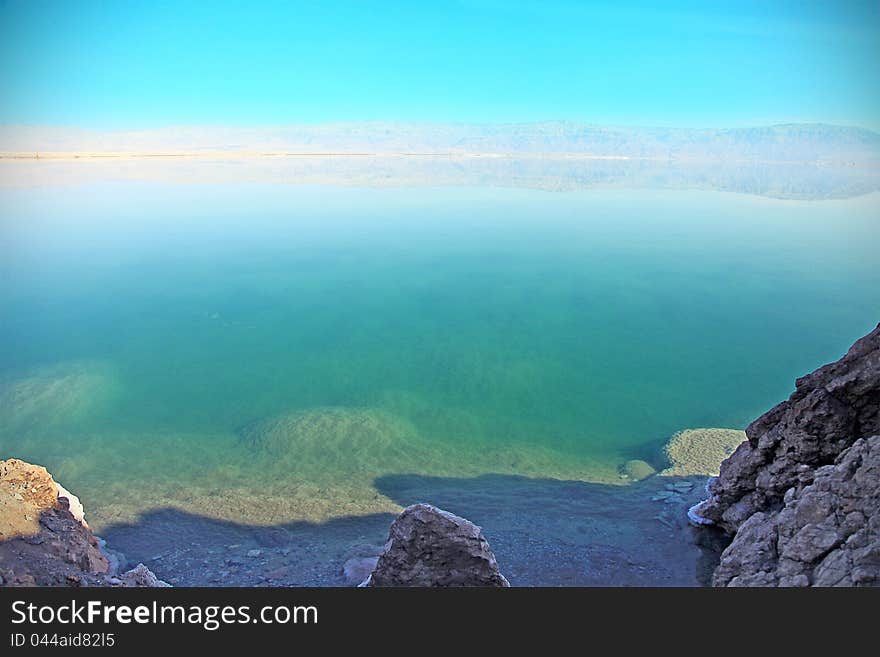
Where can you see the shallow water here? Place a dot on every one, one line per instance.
(265, 352)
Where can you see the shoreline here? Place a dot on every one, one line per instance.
(544, 532)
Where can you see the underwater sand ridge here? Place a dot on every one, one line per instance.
(311, 464)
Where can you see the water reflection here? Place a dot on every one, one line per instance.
(802, 181)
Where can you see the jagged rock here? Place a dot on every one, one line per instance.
(73, 504)
(637, 469)
(140, 575)
(430, 547)
(827, 533)
(802, 496)
(44, 540)
(829, 410)
(41, 542)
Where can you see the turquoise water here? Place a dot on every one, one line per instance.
(160, 343)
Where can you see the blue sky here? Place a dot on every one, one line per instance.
(131, 64)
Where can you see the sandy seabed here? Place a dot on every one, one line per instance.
(304, 491)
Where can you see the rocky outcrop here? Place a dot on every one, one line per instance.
(44, 539)
(801, 495)
(430, 547)
(827, 533)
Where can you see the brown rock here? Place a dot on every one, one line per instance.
(821, 536)
(430, 547)
(802, 496)
(829, 410)
(41, 541)
(44, 543)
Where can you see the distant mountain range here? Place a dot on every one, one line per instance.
(803, 143)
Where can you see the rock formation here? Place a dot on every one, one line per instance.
(801, 496)
(44, 539)
(827, 533)
(138, 576)
(430, 547)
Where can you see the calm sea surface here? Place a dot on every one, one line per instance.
(164, 344)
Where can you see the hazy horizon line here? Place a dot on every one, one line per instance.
(746, 125)
(828, 144)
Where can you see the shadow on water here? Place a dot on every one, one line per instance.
(548, 532)
(192, 550)
(544, 532)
